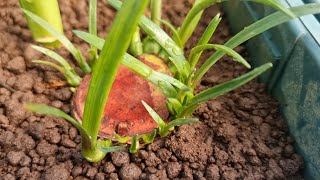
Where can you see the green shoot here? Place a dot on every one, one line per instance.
(175, 33)
(190, 23)
(223, 88)
(136, 44)
(206, 36)
(253, 30)
(164, 129)
(72, 77)
(106, 68)
(148, 138)
(134, 144)
(49, 11)
(93, 28)
(121, 139)
(198, 49)
(60, 37)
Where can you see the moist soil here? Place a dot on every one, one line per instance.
(241, 135)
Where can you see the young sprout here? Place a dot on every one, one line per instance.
(49, 11)
(132, 99)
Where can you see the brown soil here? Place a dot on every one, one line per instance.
(241, 134)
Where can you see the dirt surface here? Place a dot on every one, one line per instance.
(241, 134)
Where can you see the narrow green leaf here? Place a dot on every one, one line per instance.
(206, 36)
(47, 110)
(175, 33)
(154, 115)
(275, 4)
(106, 146)
(167, 89)
(67, 44)
(198, 49)
(54, 56)
(148, 138)
(55, 66)
(180, 122)
(255, 29)
(156, 33)
(135, 144)
(192, 19)
(227, 86)
(105, 68)
(72, 78)
(175, 104)
(93, 27)
(121, 139)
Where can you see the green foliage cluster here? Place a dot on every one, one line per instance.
(106, 56)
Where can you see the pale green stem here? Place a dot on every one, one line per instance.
(49, 11)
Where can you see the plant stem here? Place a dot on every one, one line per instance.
(49, 11)
(93, 28)
(156, 6)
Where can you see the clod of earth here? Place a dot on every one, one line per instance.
(124, 113)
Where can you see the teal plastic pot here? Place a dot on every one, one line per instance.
(294, 49)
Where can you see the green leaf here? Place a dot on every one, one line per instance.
(54, 56)
(175, 33)
(55, 66)
(192, 19)
(156, 33)
(174, 104)
(148, 138)
(167, 89)
(105, 68)
(70, 74)
(275, 4)
(66, 43)
(180, 122)
(198, 49)
(135, 144)
(47, 110)
(93, 28)
(106, 146)
(206, 36)
(253, 30)
(121, 139)
(227, 86)
(154, 115)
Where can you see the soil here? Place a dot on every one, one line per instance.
(241, 135)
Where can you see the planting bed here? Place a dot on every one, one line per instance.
(241, 134)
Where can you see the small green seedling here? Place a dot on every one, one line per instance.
(143, 97)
